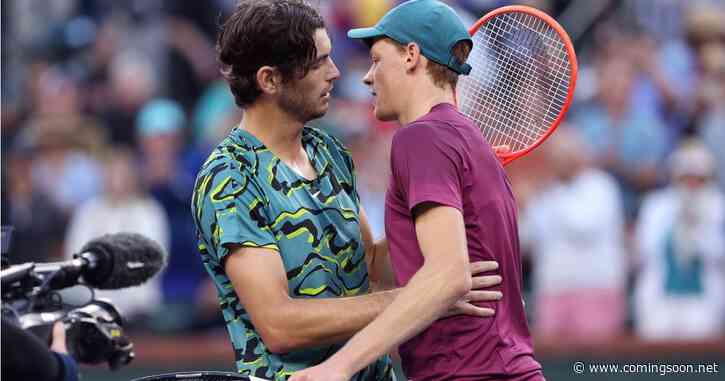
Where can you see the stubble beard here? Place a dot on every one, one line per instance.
(293, 102)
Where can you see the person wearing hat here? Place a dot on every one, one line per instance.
(679, 293)
(168, 169)
(449, 203)
(280, 226)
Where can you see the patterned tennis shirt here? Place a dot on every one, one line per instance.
(245, 195)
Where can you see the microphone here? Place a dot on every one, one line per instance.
(108, 262)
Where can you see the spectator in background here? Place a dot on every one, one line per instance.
(707, 36)
(169, 169)
(69, 175)
(680, 293)
(215, 113)
(190, 55)
(132, 83)
(653, 36)
(627, 139)
(712, 133)
(64, 166)
(124, 206)
(37, 220)
(576, 223)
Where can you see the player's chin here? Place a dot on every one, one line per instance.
(320, 112)
(383, 115)
(322, 106)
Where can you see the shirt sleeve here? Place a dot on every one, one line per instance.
(426, 167)
(232, 210)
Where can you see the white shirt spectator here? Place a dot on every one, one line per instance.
(574, 231)
(135, 215)
(680, 293)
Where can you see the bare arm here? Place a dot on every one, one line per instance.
(382, 278)
(376, 256)
(442, 280)
(285, 323)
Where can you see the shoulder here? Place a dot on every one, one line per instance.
(435, 136)
(599, 178)
(420, 132)
(150, 205)
(229, 157)
(658, 200)
(92, 207)
(228, 170)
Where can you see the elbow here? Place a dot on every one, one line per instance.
(277, 346)
(275, 332)
(277, 340)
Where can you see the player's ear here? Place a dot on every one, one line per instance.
(412, 56)
(269, 80)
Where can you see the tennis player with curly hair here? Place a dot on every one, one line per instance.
(279, 221)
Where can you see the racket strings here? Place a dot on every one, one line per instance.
(519, 82)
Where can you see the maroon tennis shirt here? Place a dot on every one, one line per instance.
(443, 158)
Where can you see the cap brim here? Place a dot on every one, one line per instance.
(364, 33)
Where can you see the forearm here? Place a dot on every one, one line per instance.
(379, 268)
(430, 292)
(298, 323)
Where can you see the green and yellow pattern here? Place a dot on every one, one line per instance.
(245, 195)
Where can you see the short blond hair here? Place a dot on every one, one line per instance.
(442, 75)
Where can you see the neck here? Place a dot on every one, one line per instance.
(276, 129)
(116, 198)
(424, 95)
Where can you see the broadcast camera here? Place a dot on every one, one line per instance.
(31, 297)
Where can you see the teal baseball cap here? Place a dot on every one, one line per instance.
(433, 25)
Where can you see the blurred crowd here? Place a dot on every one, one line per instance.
(110, 107)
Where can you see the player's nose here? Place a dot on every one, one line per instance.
(334, 71)
(368, 78)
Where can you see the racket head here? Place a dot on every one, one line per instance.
(199, 376)
(523, 78)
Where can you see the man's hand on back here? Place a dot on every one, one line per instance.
(467, 304)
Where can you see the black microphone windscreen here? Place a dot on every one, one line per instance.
(124, 260)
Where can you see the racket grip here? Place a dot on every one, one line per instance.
(503, 153)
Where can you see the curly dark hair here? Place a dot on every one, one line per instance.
(278, 33)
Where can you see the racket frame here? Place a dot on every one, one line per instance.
(508, 157)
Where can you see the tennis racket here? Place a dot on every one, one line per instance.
(522, 81)
(199, 376)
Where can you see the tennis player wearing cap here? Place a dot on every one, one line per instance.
(280, 226)
(449, 203)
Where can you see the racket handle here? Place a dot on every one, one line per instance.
(503, 153)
